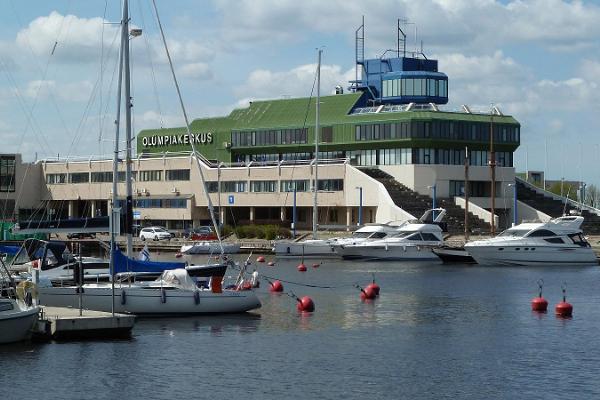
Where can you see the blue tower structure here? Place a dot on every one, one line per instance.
(398, 78)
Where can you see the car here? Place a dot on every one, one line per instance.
(155, 233)
(201, 233)
(81, 235)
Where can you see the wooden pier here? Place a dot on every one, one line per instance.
(62, 323)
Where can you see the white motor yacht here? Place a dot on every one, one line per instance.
(412, 241)
(557, 242)
(210, 247)
(326, 247)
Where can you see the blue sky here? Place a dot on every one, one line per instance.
(537, 60)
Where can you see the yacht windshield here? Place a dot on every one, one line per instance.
(514, 233)
(402, 234)
(360, 235)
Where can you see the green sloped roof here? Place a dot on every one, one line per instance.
(282, 113)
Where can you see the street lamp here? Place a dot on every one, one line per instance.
(360, 205)
(514, 186)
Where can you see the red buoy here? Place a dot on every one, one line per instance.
(301, 268)
(375, 287)
(316, 265)
(271, 264)
(367, 293)
(276, 287)
(539, 304)
(305, 304)
(178, 255)
(260, 259)
(564, 309)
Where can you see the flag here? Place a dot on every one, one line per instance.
(144, 254)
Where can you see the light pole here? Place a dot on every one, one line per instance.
(515, 216)
(360, 205)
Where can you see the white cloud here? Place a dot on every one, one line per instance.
(199, 71)
(70, 91)
(297, 82)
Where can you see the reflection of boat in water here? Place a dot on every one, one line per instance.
(210, 247)
(557, 242)
(450, 254)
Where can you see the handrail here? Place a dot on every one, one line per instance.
(557, 197)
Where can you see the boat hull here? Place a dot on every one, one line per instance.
(17, 326)
(151, 301)
(524, 256)
(387, 253)
(454, 255)
(312, 249)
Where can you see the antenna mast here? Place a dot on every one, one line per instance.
(401, 38)
(359, 37)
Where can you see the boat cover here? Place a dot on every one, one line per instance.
(125, 264)
(177, 278)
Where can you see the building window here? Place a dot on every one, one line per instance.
(233, 186)
(7, 173)
(102, 177)
(263, 186)
(178, 175)
(299, 185)
(327, 134)
(331, 185)
(150, 176)
(55, 179)
(79, 177)
(212, 186)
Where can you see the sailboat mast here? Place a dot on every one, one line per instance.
(317, 131)
(466, 194)
(196, 154)
(493, 172)
(128, 105)
(116, 164)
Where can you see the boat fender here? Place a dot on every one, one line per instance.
(418, 248)
(404, 248)
(196, 297)
(386, 247)
(163, 296)
(123, 297)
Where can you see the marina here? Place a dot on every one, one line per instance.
(371, 235)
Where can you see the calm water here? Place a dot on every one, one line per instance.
(437, 331)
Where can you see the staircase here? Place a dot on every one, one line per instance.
(417, 204)
(555, 208)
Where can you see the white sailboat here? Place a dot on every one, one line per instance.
(17, 316)
(174, 292)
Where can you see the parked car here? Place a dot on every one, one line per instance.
(201, 233)
(155, 233)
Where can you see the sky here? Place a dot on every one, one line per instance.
(537, 60)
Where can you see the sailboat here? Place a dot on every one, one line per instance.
(311, 247)
(18, 314)
(175, 292)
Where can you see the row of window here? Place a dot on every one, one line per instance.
(427, 156)
(476, 188)
(7, 173)
(300, 185)
(414, 87)
(107, 176)
(156, 203)
(472, 131)
(270, 137)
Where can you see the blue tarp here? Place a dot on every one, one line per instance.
(124, 264)
(10, 250)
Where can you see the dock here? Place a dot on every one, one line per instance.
(62, 323)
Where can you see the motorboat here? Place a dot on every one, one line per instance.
(18, 314)
(412, 241)
(174, 293)
(210, 247)
(450, 254)
(559, 241)
(326, 247)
